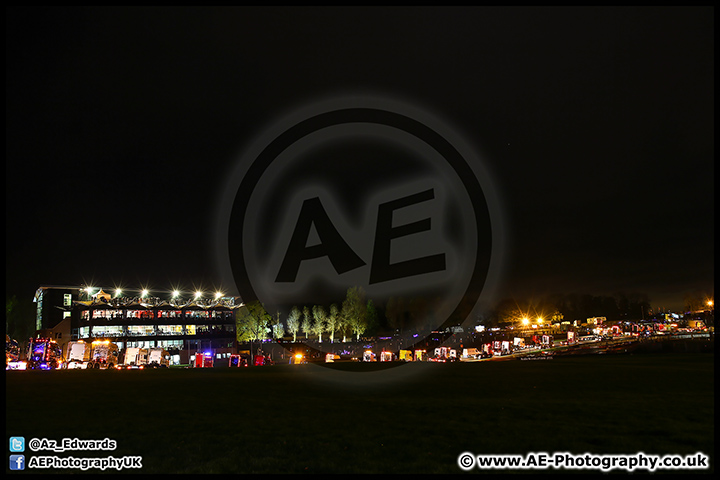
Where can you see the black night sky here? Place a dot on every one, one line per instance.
(597, 125)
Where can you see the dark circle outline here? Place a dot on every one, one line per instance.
(362, 115)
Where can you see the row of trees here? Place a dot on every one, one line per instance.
(571, 307)
(352, 318)
(357, 315)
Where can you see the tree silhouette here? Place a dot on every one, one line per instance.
(333, 321)
(306, 325)
(252, 323)
(354, 310)
(319, 317)
(293, 322)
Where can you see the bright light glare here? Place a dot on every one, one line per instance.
(198, 294)
(218, 295)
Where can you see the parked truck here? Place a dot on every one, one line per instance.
(386, 356)
(472, 354)
(369, 356)
(104, 355)
(135, 358)
(158, 358)
(262, 359)
(12, 355)
(238, 361)
(203, 360)
(43, 354)
(444, 354)
(78, 355)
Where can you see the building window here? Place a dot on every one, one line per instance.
(107, 331)
(38, 316)
(140, 330)
(67, 299)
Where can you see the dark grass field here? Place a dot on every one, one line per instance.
(415, 418)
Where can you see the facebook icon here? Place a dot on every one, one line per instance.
(17, 462)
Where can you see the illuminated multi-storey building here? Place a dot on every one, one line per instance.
(182, 327)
